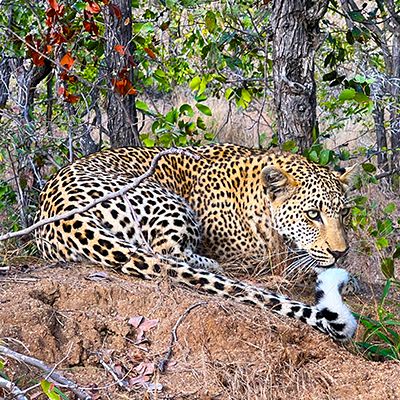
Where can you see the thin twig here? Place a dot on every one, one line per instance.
(135, 182)
(12, 388)
(120, 382)
(163, 363)
(5, 351)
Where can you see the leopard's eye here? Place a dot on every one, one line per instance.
(314, 215)
(344, 212)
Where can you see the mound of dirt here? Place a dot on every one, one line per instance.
(88, 321)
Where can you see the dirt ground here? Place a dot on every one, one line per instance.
(84, 319)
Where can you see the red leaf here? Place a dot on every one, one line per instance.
(61, 90)
(57, 38)
(37, 59)
(32, 51)
(88, 26)
(131, 61)
(150, 53)
(71, 98)
(54, 5)
(120, 49)
(132, 91)
(91, 27)
(115, 10)
(64, 76)
(67, 61)
(93, 7)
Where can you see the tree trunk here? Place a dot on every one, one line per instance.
(381, 140)
(295, 41)
(5, 74)
(395, 106)
(121, 111)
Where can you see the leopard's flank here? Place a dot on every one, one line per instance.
(192, 213)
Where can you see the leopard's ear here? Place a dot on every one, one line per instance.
(347, 175)
(277, 182)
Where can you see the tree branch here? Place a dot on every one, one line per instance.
(12, 388)
(5, 351)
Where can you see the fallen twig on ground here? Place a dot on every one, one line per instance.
(163, 363)
(12, 388)
(120, 382)
(135, 182)
(56, 377)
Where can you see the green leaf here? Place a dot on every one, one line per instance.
(229, 93)
(209, 136)
(368, 167)
(186, 109)
(385, 227)
(159, 73)
(172, 116)
(360, 79)
(361, 98)
(324, 157)
(141, 27)
(148, 142)
(200, 97)
(203, 85)
(313, 156)
(194, 84)
(204, 109)
(387, 267)
(246, 96)
(382, 243)
(356, 16)
(244, 99)
(141, 105)
(288, 145)
(79, 5)
(48, 390)
(182, 140)
(386, 289)
(210, 21)
(396, 253)
(347, 94)
(200, 124)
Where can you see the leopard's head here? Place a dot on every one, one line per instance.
(309, 207)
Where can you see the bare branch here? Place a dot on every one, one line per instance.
(120, 382)
(12, 388)
(5, 351)
(135, 182)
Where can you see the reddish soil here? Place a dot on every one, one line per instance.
(67, 317)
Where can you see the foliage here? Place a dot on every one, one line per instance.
(52, 391)
(380, 339)
(376, 225)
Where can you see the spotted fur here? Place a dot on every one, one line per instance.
(191, 212)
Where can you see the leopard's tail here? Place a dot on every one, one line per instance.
(329, 315)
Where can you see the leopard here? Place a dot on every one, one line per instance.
(199, 207)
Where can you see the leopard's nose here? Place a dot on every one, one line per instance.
(338, 254)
